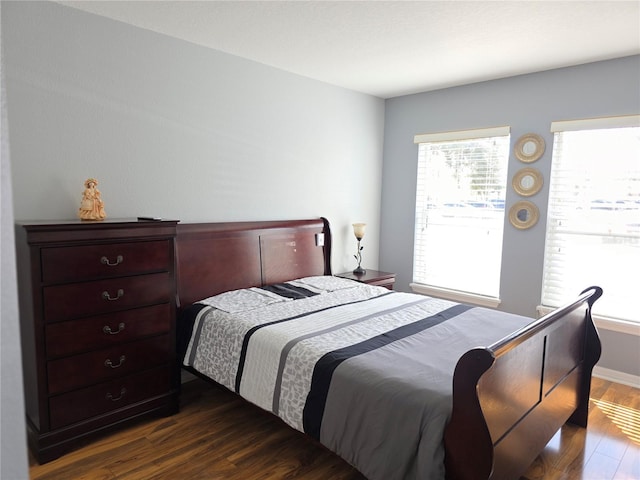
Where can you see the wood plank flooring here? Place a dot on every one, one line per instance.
(216, 435)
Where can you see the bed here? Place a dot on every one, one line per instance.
(399, 385)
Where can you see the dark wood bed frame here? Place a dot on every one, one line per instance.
(509, 399)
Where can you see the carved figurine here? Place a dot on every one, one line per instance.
(92, 206)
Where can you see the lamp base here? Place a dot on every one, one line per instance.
(359, 271)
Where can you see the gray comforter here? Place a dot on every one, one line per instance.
(366, 371)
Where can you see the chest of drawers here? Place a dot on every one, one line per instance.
(97, 316)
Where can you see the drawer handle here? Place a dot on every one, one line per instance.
(105, 261)
(107, 329)
(106, 296)
(109, 363)
(115, 399)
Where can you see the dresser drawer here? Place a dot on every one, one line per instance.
(102, 331)
(88, 368)
(66, 302)
(105, 397)
(71, 264)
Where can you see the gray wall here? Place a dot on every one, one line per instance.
(169, 129)
(527, 103)
(13, 452)
(180, 131)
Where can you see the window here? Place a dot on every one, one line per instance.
(460, 197)
(593, 218)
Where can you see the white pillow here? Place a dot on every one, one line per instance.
(237, 301)
(325, 283)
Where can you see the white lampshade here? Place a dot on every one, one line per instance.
(358, 230)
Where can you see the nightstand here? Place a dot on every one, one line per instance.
(372, 277)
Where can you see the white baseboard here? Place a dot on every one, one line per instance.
(616, 376)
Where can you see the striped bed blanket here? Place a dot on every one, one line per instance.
(364, 370)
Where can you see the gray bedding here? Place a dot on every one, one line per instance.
(366, 371)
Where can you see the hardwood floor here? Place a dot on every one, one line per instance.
(609, 448)
(217, 435)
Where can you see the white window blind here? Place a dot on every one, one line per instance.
(461, 185)
(593, 217)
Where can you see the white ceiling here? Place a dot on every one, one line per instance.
(392, 48)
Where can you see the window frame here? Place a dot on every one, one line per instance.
(603, 321)
(450, 293)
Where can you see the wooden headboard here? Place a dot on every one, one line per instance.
(218, 257)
